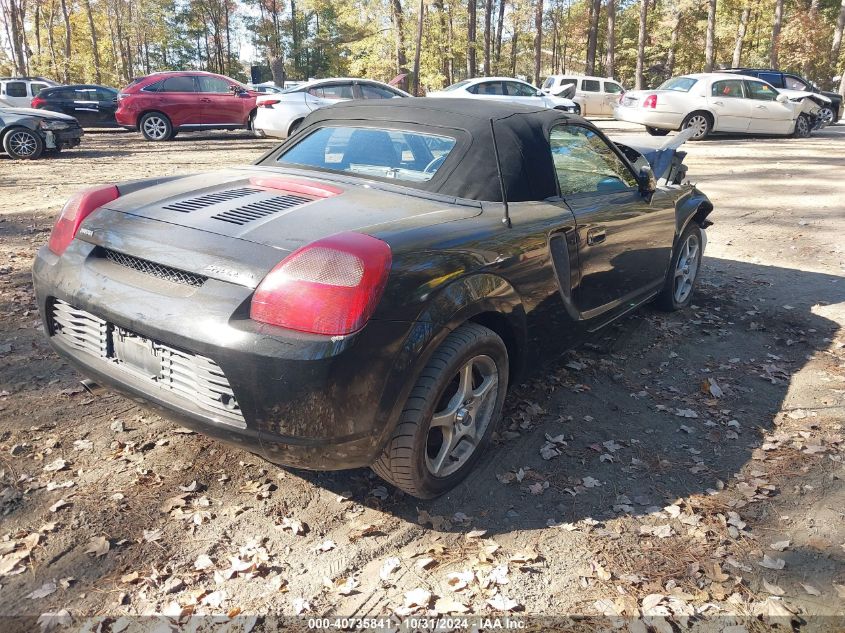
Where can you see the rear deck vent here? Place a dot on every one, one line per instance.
(209, 199)
(262, 208)
(156, 270)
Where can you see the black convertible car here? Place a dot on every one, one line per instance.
(365, 293)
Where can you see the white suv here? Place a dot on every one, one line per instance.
(19, 91)
(595, 95)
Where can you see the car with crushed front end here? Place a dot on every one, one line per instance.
(26, 133)
(367, 291)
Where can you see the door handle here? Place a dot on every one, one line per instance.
(718, 103)
(205, 100)
(596, 236)
(761, 107)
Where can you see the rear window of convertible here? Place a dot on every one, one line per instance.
(392, 154)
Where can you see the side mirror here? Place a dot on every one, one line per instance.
(781, 98)
(539, 93)
(647, 181)
(236, 90)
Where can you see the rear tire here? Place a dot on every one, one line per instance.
(23, 144)
(702, 122)
(294, 127)
(683, 273)
(155, 126)
(656, 131)
(450, 414)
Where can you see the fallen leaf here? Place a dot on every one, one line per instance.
(502, 603)
(202, 562)
(458, 580)
(98, 546)
(325, 546)
(300, 605)
(388, 567)
(215, 598)
(296, 527)
(151, 536)
(445, 606)
(417, 598)
(651, 601)
(772, 563)
(49, 621)
(779, 546)
(476, 534)
(61, 503)
(43, 591)
(772, 589)
(840, 589)
(130, 577)
(811, 590)
(55, 466)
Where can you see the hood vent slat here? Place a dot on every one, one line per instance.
(262, 208)
(200, 202)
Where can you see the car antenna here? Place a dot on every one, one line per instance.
(506, 220)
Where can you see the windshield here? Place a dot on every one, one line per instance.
(678, 84)
(392, 154)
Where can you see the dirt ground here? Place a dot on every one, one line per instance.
(695, 460)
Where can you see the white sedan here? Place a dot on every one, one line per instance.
(279, 115)
(505, 89)
(718, 102)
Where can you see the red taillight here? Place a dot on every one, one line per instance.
(332, 286)
(650, 102)
(79, 207)
(269, 103)
(37, 102)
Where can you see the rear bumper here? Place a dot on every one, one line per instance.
(271, 123)
(306, 401)
(648, 117)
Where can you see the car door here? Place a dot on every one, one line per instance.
(85, 106)
(328, 93)
(219, 103)
(107, 105)
(624, 238)
(16, 93)
(178, 99)
(488, 90)
(519, 92)
(768, 116)
(591, 92)
(374, 91)
(611, 93)
(727, 99)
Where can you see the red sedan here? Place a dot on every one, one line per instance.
(162, 104)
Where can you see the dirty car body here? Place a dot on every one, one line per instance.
(26, 133)
(165, 289)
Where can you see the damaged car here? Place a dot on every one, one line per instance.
(365, 294)
(26, 133)
(712, 103)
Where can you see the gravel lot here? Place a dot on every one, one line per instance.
(700, 468)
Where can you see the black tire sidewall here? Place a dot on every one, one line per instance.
(428, 485)
(669, 291)
(655, 131)
(39, 143)
(162, 116)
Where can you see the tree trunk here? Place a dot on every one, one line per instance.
(538, 40)
(471, 28)
(673, 45)
(837, 36)
(66, 65)
(294, 34)
(639, 80)
(610, 65)
(401, 59)
(710, 39)
(488, 16)
(514, 40)
(16, 37)
(417, 51)
(776, 26)
(592, 37)
(95, 48)
(740, 35)
(499, 29)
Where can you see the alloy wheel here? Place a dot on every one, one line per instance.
(827, 116)
(462, 416)
(686, 269)
(155, 127)
(23, 144)
(698, 123)
(802, 127)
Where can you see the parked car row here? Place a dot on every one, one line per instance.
(160, 105)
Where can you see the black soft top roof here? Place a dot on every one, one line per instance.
(519, 133)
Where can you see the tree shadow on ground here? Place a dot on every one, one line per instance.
(619, 415)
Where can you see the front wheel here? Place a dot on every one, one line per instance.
(803, 127)
(683, 273)
(827, 116)
(155, 126)
(450, 415)
(656, 131)
(701, 123)
(23, 144)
